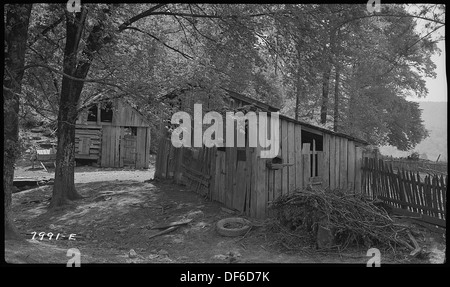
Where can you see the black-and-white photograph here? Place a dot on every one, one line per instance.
(228, 134)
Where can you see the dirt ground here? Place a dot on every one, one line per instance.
(117, 214)
(113, 224)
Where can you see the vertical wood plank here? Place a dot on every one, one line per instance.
(255, 174)
(414, 191)
(140, 149)
(402, 192)
(238, 185)
(117, 147)
(105, 142)
(249, 179)
(148, 147)
(164, 155)
(306, 157)
(444, 195)
(121, 147)
(420, 192)
(320, 160)
(291, 156)
(262, 179)
(429, 195)
(326, 161)
(111, 146)
(158, 160)
(434, 195)
(358, 171)
(223, 177)
(212, 172)
(405, 188)
(412, 195)
(229, 178)
(337, 164)
(270, 191)
(217, 175)
(332, 167)
(313, 159)
(343, 164)
(284, 156)
(278, 184)
(298, 157)
(99, 105)
(234, 176)
(351, 165)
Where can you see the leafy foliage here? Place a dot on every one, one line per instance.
(288, 55)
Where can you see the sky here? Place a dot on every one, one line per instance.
(437, 88)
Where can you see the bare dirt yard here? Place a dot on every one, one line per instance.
(115, 220)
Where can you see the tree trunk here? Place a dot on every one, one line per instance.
(336, 99)
(298, 94)
(16, 34)
(64, 187)
(325, 92)
(331, 54)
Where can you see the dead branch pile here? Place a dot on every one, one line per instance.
(353, 219)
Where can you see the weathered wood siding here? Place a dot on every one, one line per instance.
(125, 115)
(104, 141)
(88, 143)
(114, 148)
(240, 179)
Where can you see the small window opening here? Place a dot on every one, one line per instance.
(92, 113)
(317, 140)
(130, 131)
(106, 112)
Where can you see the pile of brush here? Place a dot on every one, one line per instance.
(351, 219)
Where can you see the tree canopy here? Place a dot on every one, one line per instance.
(334, 65)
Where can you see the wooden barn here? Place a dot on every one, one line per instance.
(240, 179)
(112, 133)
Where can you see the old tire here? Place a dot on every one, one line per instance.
(222, 228)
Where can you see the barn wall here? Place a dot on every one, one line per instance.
(88, 142)
(112, 154)
(102, 141)
(240, 179)
(125, 115)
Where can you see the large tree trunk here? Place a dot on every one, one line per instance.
(16, 34)
(332, 58)
(325, 92)
(298, 88)
(64, 189)
(298, 95)
(336, 99)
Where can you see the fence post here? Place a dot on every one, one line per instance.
(401, 189)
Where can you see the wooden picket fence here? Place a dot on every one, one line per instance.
(424, 198)
(428, 167)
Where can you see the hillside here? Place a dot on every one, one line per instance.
(434, 115)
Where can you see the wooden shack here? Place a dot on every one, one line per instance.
(112, 133)
(240, 179)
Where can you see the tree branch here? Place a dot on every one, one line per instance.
(385, 15)
(46, 30)
(159, 40)
(98, 81)
(151, 11)
(140, 16)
